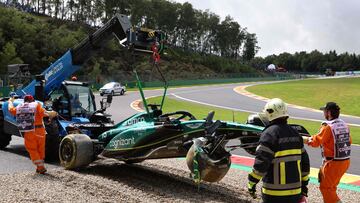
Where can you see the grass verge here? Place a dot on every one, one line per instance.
(201, 111)
(315, 93)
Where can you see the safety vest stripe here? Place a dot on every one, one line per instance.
(344, 158)
(288, 152)
(38, 161)
(305, 178)
(282, 187)
(286, 159)
(256, 176)
(299, 168)
(282, 173)
(281, 192)
(251, 184)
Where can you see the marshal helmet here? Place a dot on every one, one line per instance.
(275, 108)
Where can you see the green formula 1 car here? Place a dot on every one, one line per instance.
(154, 135)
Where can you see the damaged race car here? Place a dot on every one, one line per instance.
(156, 135)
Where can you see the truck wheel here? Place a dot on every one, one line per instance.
(52, 141)
(76, 150)
(122, 92)
(4, 140)
(4, 137)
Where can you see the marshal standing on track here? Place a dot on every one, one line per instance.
(29, 117)
(335, 141)
(281, 160)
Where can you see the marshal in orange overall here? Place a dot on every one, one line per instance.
(335, 141)
(29, 117)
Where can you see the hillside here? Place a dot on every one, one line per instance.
(40, 40)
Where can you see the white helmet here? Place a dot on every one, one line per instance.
(275, 108)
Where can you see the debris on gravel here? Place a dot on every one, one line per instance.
(109, 180)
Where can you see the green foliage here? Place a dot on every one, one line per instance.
(314, 61)
(186, 27)
(8, 56)
(40, 40)
(36, 41)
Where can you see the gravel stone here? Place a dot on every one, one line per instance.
(109, 180)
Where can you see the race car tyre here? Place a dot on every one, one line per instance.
(76, 151)
(52, 141)
(4, 137)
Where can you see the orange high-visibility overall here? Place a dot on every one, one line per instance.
(335, 140)
(35, 139)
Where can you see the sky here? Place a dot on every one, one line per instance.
(293, 25)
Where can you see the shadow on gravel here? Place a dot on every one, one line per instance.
(158, 182)
(17, 149)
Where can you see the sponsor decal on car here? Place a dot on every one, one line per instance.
(135, 121)
(122, 142)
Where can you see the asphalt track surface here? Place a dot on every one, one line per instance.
(14, 158)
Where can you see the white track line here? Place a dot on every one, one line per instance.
(236, 109)
(214, 105)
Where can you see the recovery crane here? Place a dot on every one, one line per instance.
(74, 101)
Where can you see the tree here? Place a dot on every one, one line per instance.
(8, 56)
(230, 38)
(186, 25)
(250, 48)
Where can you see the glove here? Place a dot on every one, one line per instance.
(52, 114)
(252, 190)
(306, 139)
(304, 191)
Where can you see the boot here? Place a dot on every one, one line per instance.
(41, 170)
